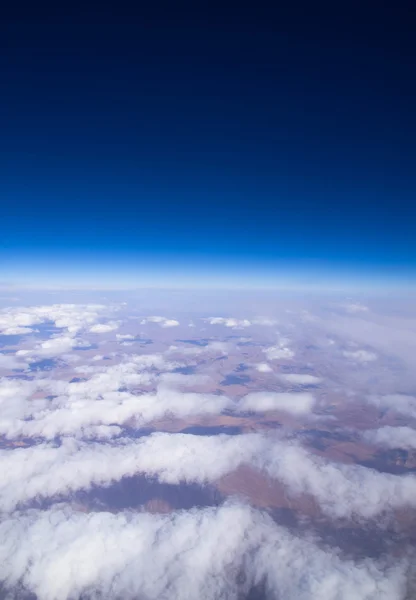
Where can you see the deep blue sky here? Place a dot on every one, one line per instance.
(208, 140)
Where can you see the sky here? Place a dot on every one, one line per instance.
(205, 146)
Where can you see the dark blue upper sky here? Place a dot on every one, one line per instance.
(201, 138)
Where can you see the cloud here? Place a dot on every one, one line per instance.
(126, 336)
(279, 351)
(392, 437)
(355, 307)
(9, 362)
(300, 378)
(229, 322)
(341, 491)
(294, 403)
(264, 368)
(401, 403)
(16, 331)
(61, 553)
(72, 317)
(94, 402)
(362, 356)
(54, 347)
(161, 321)
(104, 327)
(266, 321)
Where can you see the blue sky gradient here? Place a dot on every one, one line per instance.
(263, 149)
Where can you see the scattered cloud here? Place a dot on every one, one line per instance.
(264, 368)
(161, 321)
(392, 437)
(229, 322)
(362, 356)
(400, 403)
(63, 553)
(279, 351)
(294, 403)
(54, 347)
(104, 327)
(72, 317)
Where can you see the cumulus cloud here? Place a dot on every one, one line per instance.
(8, 361)
(362, 356)
(17, 331)
(392, 437)
(53, 347)
(161, 321)
(342, 491)
(266, 321)
(229, 322)
(126, 336)
(300, 378)
(279, 351)
(294, 403)
(61, 553)
(401, 403)
(264, 368)
(104, 327)
(95, 402)
(72, 317)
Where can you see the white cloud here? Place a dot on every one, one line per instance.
(300, 378)
(295, 403)
(392, 437)
(161, 321)
(126, 336)
(61, 553)
(72, 317)
(279, 351)
(341, 491)
(362, 356)
(229, 322)
(266, 321)
(17, 331)
(104, 327)
(8, 361)
(401, 403)
(264, 368)
(53, 347)
(92, 402)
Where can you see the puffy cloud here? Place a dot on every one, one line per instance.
(162, 321)
(300, 378)
(362, 356)
(54, 347)
(264, 368)
(279, 351)
(229, 322)
(9, 362)
(392, 437)
(17, 331)
(401, 403)
(85, 403)
(104, 327)
(342, 491)
(126, 336)
(295, 403)
(266, 321)
(61, 553)
(73, 317)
